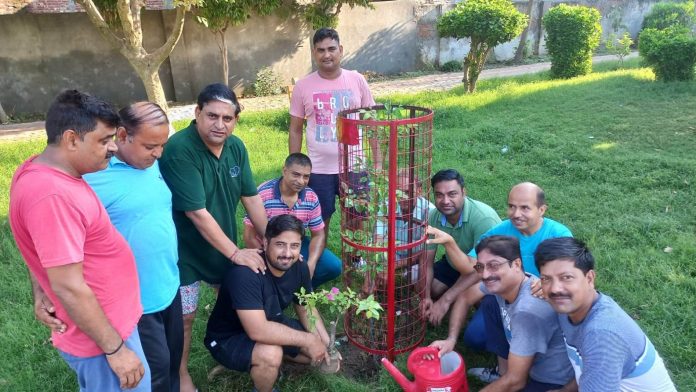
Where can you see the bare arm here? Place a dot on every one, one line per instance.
(251, 240)
(43, 307)
(442, 305)
(257, 213)
(320, 329)
(460, 260)
(295, 134)
(263, 331)
(457, 318)
(316, 247)
(211, 231)
(77, 298)
(516, 376)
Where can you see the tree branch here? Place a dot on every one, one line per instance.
(127, 14)
(165, 50)
(98, 21)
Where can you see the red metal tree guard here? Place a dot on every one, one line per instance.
(384, 173)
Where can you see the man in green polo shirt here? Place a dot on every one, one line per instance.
(207, 169)
(465, 219)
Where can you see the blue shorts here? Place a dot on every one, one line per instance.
(443, 272)
(94, 373)
(235, 351)
(326, 186)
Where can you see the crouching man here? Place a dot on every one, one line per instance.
(606, 347)
(247, 330)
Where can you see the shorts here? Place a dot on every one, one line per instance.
(235, 352)
(443, 271)
(190, 295)
(326, 186)
(95, 374)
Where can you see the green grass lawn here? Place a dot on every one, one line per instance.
(613, 150)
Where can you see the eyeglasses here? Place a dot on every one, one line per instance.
(493, 266)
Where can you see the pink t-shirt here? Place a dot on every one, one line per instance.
(319, 100)
(57, 220)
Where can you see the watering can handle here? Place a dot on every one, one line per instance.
(422, 351)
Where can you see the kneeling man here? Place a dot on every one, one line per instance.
(247, 330)
(606, 347)
(536, 357)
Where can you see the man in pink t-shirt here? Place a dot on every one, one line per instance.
(318, 98)
(83, 273)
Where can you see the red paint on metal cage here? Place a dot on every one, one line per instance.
(385, 159)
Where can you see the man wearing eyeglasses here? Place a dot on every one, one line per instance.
(207, 169)
(532, 345)
(526, 210)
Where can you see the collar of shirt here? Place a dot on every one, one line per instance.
(277, 195)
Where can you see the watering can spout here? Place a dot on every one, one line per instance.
(405, 384)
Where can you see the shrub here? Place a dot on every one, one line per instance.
(572, 34)
(451, 66)
(671, 53)
(267, 83)
(665, 15)
(487, 23)
(619, 47)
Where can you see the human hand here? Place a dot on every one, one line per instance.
(44, 311)
(444, 346)
(316, 350)
(127, 366)
(536, 289)
(426, 305)
(438, 311)
(250, 258)
(439, 236)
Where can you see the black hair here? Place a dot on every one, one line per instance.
(136, 115)
(298, 158)
(447, 175)
(77, 111)
(504, 246)
(324, 33)
(540, 197)
(218, 92)
(282, 223)
(564, 248)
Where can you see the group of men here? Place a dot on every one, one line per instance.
(118, 231)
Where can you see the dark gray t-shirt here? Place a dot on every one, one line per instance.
(532, 329)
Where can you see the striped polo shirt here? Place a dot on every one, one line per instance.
(306, 207)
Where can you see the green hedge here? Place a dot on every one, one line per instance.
(572, 34)
(671, 53)
(666, 15)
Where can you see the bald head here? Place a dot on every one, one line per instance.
(531, 190)
(138, 114)
(526, 207)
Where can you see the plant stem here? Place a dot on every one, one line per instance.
(332, 336)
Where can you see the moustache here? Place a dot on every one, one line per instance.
(559, 295)
(491, 279)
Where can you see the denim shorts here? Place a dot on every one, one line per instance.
(94, 373)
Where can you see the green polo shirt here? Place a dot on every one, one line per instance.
(198, 179)
(476, 218)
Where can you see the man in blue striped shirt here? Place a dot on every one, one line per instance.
(289, 194)
(606, 347)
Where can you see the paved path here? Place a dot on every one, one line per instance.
(433, 82)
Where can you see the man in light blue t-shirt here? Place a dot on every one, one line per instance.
(606, 347)
(139, 204)
(531, 351)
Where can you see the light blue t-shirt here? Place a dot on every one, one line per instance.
(528, 244)
(610, 352)
(532, 329)
(139, 204)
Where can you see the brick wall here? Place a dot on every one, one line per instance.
(63, 6)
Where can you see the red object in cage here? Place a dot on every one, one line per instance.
(385, 155)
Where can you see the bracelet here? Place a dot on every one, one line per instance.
(234, 255)
(115, 351)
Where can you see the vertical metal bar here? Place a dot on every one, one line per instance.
(391, 242)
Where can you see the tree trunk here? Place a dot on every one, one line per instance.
(519, 54)
(153, 84)
(4, 119)
(479, 57)
(222, 45)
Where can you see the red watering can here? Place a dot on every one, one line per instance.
(445, 374)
